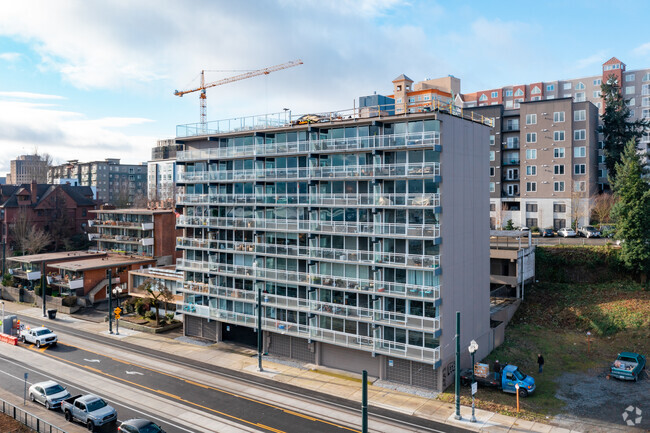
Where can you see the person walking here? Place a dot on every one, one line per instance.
(497, 366)
(540, 362)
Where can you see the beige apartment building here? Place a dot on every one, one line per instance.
(27, 168)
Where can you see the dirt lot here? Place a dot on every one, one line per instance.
(10, 425)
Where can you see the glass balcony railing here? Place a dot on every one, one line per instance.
(378, 199)
(303, 173)
(419, 291)
(121, 224)
(424, 139)
(367, 343)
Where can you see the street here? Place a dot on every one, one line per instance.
(183, 396)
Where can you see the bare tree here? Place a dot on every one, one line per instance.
(579, 209)
(36, 241)
(61, 226)
(602, 208)
(156, 292)
(27, 236)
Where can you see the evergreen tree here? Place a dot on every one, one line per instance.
(617, 130)
(632, 210)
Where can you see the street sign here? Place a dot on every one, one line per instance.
(117, 311)
(117, 316)
(474, 387)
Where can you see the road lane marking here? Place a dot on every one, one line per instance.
(134, 372)
(270, 428)
(208, 387)
(157, 391)
(92, 360)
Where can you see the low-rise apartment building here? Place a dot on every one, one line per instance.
(358, 233)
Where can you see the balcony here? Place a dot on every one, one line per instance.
(26, 273)
(383, 200)
(424, 139)
(411, 291)
(303, 173)
(67, 281)
(121, 224)
(511, 161)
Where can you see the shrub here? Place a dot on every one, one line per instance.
(151, 315)
(169, 317)
(534, 229)
(509, 225)
(7, 280)
(139, 307)
(69, 301)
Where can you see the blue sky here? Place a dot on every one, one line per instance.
(93, 80)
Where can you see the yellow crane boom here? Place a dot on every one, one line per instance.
(202, 88)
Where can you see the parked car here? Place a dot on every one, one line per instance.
(547, 233)
(628, 366)
(566, 232)
(38, 336)
(139, 425)
(88, 409)
(608, 230)
(588, 232)
(48, 393)
(506, 380)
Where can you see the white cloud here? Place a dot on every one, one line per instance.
(642, 50)
(29, 95)
(10, 57)
(67, 135)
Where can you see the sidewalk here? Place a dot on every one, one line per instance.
(317, 378)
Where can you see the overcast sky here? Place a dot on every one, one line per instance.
(95, 79)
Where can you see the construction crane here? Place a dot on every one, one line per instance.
(202, 88)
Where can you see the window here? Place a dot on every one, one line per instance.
(508, 104)
(645, 113)
(597, 82)
(536, 98)
(492, 140)
(493, 207)
(531, 170)
(558, 135)
(580, 134)
(580, 152)
(580, 186)
(532, 187)
(558, 152)
(580, 86)
(531, 207)
(492, 171)
(580, 97)
(579, 168)
(512, 124)
(512, 143)
(567, 86)
(518, 101)
(559, 207)
(550, 97)
(550, 87)
(531, 153)
(558, 186)
(645, 101)
(508, 92)
(536, 91)
(531, 222)
(531, 137)
(483, 97)
(494, 94)
(629, 90)
(596, 93)
(492, 155)
(398, 100)
(579, 115)
(646, 77)
(558, 169)
(558, 116)
(519, 92)
(629, 77)
(531, 119)
(492, 187)
(412, 99)
(645, 89)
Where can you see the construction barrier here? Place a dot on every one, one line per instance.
(4, 338)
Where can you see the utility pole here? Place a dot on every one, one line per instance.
(110, 302)
(457, 416)
(43, 280)
(259, 328)
(3, 258)
(364, 402)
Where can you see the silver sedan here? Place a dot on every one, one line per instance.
(48, 393)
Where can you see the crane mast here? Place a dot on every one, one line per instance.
(202, 88)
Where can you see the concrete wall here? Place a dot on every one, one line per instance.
(465, 249)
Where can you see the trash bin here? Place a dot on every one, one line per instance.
(51, 314)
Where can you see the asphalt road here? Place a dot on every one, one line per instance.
(233, 407)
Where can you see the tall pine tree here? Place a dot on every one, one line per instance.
(617, 129)
(632, 211)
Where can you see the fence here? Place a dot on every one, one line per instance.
(31, 421)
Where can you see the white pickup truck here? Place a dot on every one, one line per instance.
(38, 336)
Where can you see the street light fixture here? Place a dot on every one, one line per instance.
(117, 291)
(588, 341)
(473, 347)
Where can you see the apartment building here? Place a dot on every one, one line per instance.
(359, 233)
(543, 162)
(26, 169)
(119, 184)
(413, 98)
(138, 232)
(161, 171)
(635, 86)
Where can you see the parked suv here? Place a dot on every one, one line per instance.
(588, 232)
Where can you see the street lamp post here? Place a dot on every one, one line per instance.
(117, 291)
(473, 347)
(588, 341)
(110, 301)
(3, 316)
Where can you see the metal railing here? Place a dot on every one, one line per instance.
(28, 419)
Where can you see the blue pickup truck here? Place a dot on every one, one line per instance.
(628, 366)
(507, 379)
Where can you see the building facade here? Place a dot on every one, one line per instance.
(161, 171)
(544, 163)
(358, 233)
(115, 183)
(27, 169)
